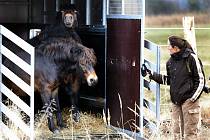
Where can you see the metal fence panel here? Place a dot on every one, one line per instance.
(28, 129)
(154, 87)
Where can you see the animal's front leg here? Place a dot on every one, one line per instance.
(75, 85)
(75, 109)
(74, 102)
(60, 122)
(48, 108)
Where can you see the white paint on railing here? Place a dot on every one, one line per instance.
(29, 89)
(15, 99)
(15, 59)
(17, 40)
(15, 79)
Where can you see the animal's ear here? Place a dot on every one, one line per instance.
(62, 14)
(92, 50)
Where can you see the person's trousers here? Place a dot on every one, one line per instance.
(186, 120)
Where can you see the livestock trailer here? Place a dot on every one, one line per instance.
(115, 30)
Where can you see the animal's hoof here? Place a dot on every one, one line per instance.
(63, 126)
(76, 116)
(56, 131)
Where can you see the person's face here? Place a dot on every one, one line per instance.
(171, 49)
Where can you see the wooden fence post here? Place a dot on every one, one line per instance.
(189, 31)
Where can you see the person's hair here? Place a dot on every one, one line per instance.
(179, 42)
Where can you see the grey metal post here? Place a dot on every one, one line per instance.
(29, 11)
(123, 7)
(88, 12)
(45, 9)
(158, 89)
(107, 7)
(72, 1)
(141, 119)
(57, 4)
(104, 13)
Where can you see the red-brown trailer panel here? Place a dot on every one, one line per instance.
(123, 76)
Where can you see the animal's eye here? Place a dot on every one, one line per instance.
(83, 67)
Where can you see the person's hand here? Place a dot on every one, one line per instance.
(145, 70)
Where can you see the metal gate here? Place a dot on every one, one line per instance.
(154, 87)
(27, 129)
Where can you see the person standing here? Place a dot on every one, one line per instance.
(186, 80)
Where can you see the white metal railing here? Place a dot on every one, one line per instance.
(27, 129)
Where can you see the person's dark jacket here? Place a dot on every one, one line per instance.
(186, 81)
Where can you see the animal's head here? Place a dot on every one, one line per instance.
(86, 60)
(69, 18)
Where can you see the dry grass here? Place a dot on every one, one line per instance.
(205, 111)
(95, 126)
(90, 125)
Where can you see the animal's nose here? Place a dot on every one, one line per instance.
(93, 81)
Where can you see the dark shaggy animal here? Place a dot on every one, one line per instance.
(60, 61)
(66, 22)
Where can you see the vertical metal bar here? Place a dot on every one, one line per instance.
(88, 12)
(32, 94)
(158, 88)
(141, 78)
(123, 7)
(45, 10)
(29, 11)
(105, 49)
(0, 72)
(104, 13)
(57, 4)
(105, 73)
(107, 7)
(72, 1)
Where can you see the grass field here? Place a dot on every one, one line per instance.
(159, 36)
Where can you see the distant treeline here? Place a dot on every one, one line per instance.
(156, 7)
(175, 19)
